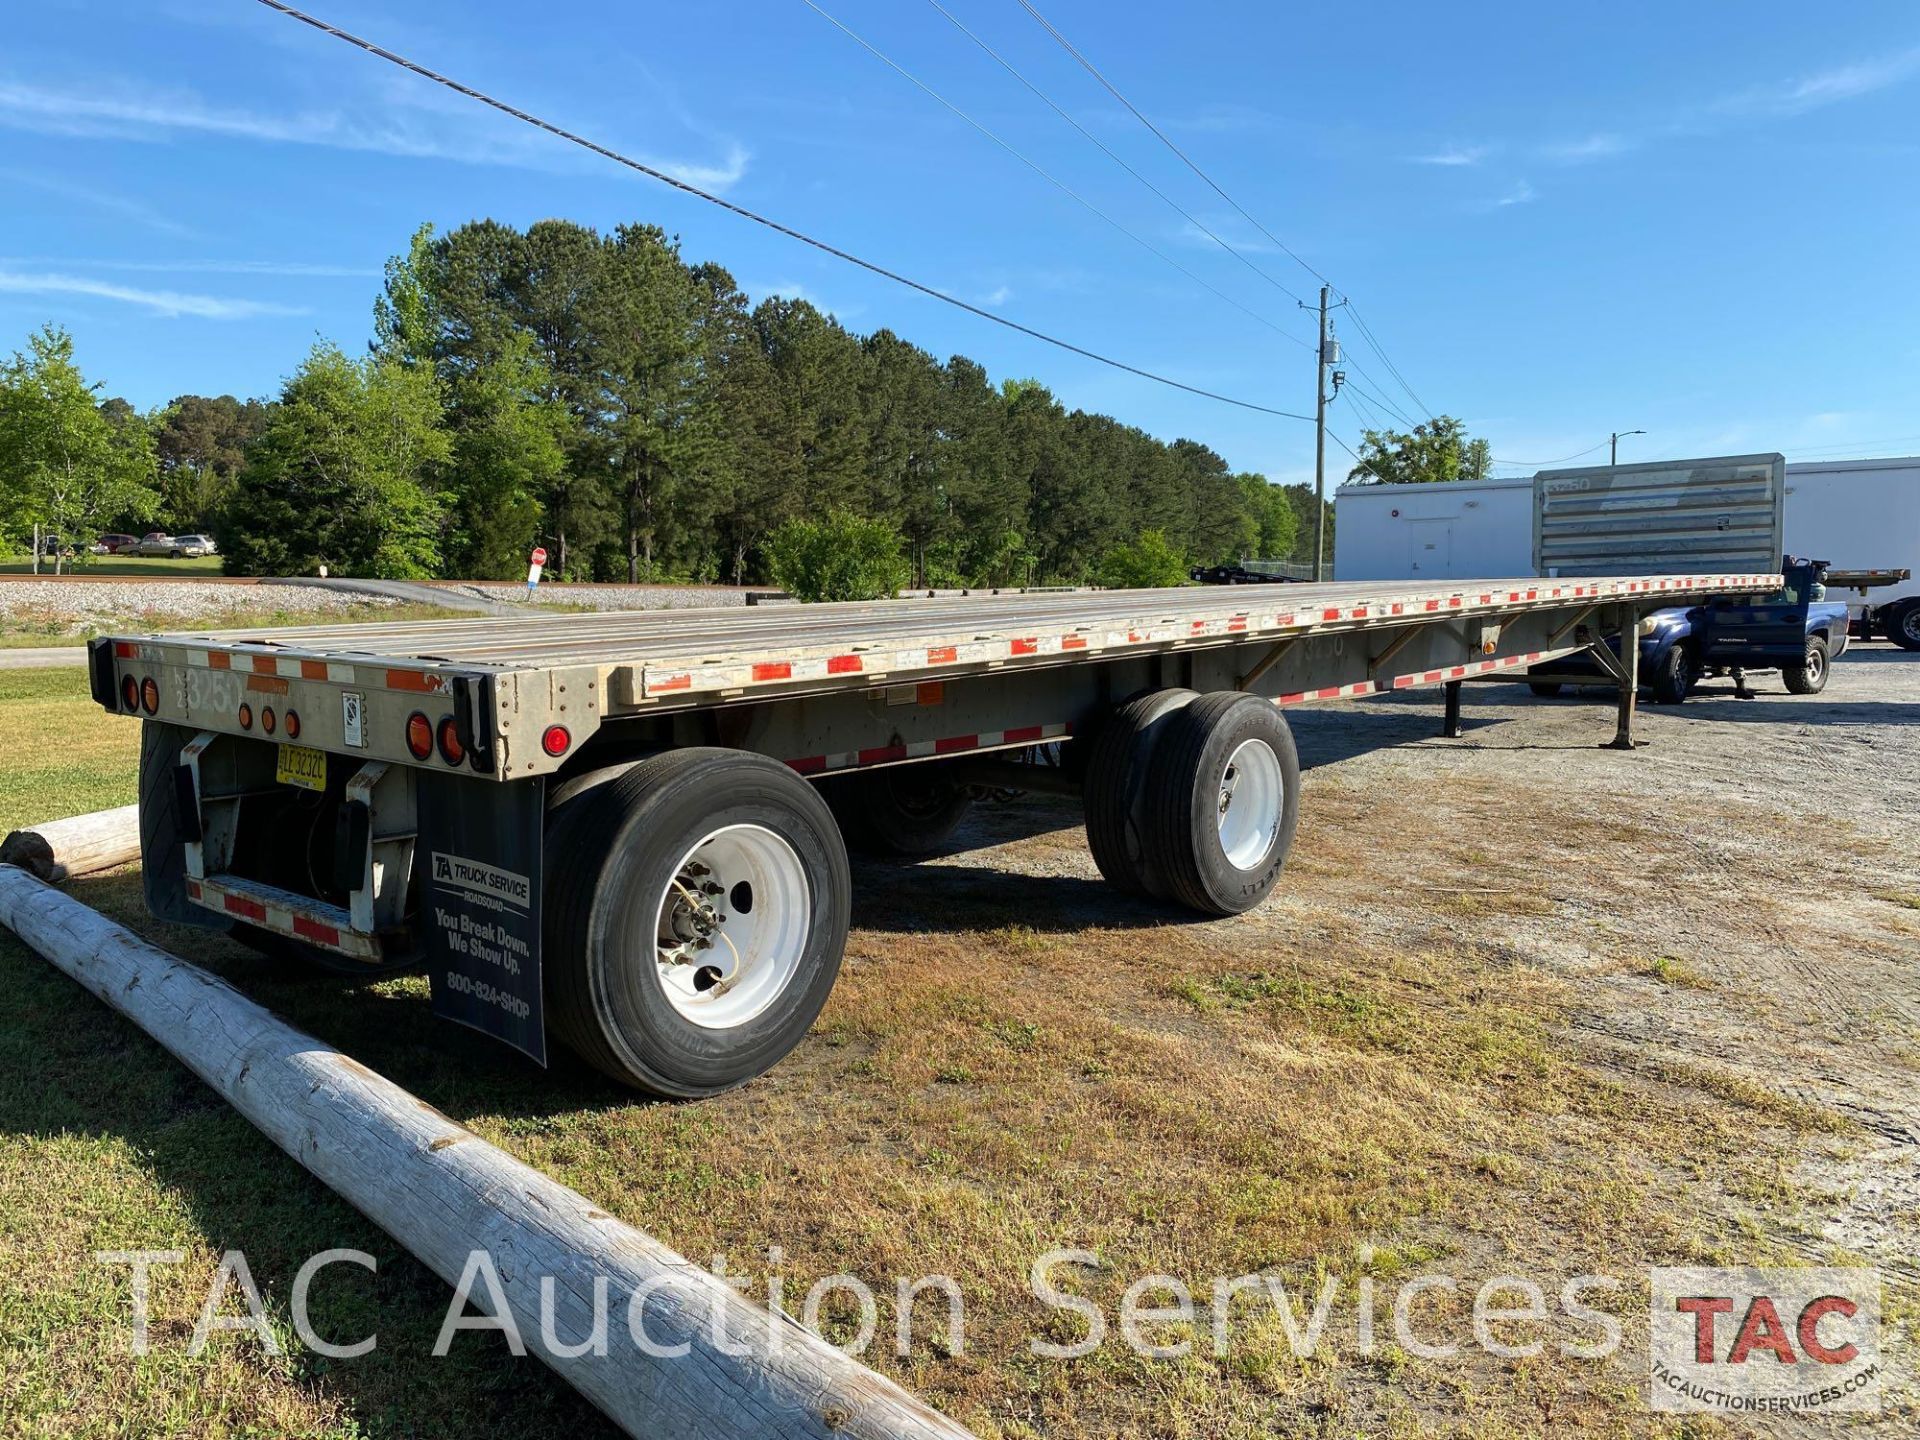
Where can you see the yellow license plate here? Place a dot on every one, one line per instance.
(302, 765)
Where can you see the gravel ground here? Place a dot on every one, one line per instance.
(614, 597)
(1738, 900)
(80, 605)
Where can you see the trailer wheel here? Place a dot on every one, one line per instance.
(898, 809)
(1545, 689)
(696, 910)
(1809, 678)
(1903, 624)
(1672, 679)
(1115, 789)
(1223, 798)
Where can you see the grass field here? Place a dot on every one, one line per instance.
(103, 566)
(1011, 1062)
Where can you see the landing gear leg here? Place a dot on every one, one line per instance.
(1450, 719)
(1629, 677)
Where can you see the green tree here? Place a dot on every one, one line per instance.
(1150, 562)
(841, 557)
(71, 464)
(200, 443)
(1436, 450)
(347, 474)
(1271, 515)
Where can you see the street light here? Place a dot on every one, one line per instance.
(1613, 452)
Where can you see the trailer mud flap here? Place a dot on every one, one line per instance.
(480, 913)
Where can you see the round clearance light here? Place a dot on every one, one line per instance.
(419, 735)
(150, 695)
(246, 716)
(268, 720)
(292, 721)
(451, 750)
(556, 740)
(130, 693)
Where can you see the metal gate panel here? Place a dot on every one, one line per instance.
(1667, 517)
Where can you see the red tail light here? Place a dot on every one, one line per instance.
(419, 735)
(293, 724)
(451, 750)
(268, 720)
(130, 693)
(150, 694)
(556, 740)
(246, 716)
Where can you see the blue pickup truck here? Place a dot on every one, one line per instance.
(1798, 632)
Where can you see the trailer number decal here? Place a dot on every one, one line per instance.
(353, 719)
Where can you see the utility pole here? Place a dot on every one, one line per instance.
(1320, 446)
(1613, 445)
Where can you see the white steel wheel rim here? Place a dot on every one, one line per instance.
(1248, 806)
(1816, 663)
(732, 926)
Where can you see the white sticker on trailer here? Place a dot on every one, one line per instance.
(353, 718)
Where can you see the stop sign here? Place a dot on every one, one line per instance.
(539, 556)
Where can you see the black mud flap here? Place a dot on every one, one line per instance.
(480, 911)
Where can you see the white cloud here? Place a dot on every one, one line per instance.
(1846, 82)
(169, 303)
(1520, 194)
(299, 269)
(998, 297)
(1453, 155)
(1598, 146)
(1191, 234)
(413, 126)
(99, 199)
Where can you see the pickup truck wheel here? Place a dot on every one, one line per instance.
(1672, 679)
(1903, 625)
(1223, 798)
(898, 809)
(1115, 790)
(696, 911)
(1809, 678)
(1545, 689)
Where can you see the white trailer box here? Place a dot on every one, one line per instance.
(1451, 531)
(1860, 515)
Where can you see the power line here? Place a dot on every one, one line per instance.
(1380, 401)
(1037, 169)
(1542, 464)
(1104, 149)
(1111, 89)
(1187, 160)
(694, 190)
(1366, 333)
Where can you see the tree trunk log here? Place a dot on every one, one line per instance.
(77, 846)
(443, 1192)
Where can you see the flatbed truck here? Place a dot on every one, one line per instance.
(631, 829)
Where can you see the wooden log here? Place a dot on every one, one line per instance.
(443, 1192)
(79, 845)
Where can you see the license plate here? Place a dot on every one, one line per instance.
(302, 765)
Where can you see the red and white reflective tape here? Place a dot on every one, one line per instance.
(928, 749)
(284, 667)
(283, 912)
(1477, 667)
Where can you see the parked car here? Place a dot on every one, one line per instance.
(195, 545)
(52, 545)
(158, 543)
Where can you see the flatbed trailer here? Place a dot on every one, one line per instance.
(633, 827)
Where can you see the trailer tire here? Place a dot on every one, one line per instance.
(898, 809)
(615, 859)
(1223, 799)
(163, 850)
(1115, 790)
(1809, 678)
(1903, 624)
(1672, 679)
(1545, 689)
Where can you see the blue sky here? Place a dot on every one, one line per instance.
(1696, 220)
